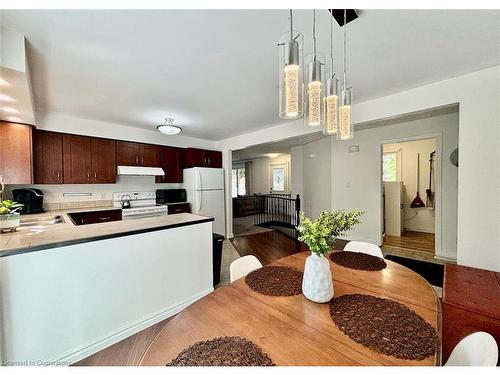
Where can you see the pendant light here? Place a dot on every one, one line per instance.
(290, 70)
(314, 111)
(169, 128)
(345, 131)
(332, 94)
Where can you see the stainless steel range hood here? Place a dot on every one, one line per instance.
(139, 171)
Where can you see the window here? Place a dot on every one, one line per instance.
(390, 166)
(238, 182)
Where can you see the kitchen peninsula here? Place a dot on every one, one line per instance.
(93, 285)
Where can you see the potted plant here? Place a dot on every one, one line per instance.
(319, 236)
(9, 215)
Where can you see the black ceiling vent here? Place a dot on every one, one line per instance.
(338, 14)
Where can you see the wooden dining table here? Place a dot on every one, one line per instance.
(293, 330)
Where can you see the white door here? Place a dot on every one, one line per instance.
(208, 178)
(278, 178)
(211, 203)
(393, 208)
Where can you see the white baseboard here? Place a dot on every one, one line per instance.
(424, 230)
(118, 335)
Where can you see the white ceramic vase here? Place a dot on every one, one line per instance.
(317, 284)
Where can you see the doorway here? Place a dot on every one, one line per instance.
(410, 195)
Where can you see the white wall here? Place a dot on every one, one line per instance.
(418, 219)
(316, 177)
(261, 173)
(478, 95)
(296, 168)
(357, 176)
(74, 125)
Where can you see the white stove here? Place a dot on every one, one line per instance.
(142, 204)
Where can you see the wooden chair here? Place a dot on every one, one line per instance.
(364, 247)
(243, 266)
(477, 349)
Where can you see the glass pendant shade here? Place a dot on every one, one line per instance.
(345, 131)
(330, 125)
(314, 92)
(291, 86)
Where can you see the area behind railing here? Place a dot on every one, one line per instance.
(277, 211)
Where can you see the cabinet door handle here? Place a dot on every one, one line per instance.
(88, 176)
(58, 176)
(142, 160)
(95, 176)
(137, 160)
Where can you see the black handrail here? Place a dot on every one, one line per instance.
(277, 211)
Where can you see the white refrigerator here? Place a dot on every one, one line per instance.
(205, 192)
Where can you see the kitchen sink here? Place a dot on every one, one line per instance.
(42, 220)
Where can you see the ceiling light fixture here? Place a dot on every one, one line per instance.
(345, 116)
(10, 110)
(332, 94)
(290, 70)
(169, 128)
(6, 98)
(314, 93)
(273, 155)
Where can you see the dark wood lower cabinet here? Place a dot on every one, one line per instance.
(178, 208)
(94, 217)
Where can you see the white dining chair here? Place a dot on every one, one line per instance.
(477, 349)
(364, 247)
(243, 266)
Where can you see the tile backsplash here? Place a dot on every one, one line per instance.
(90, 195)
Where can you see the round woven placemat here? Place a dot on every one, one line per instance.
(222, 351)
(275, 281)
(358, 261)
(384, 325)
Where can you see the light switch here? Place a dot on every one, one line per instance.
(348, 184)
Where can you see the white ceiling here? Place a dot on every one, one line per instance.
(281, 147)
(215, 71)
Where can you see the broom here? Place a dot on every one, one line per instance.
(417, 202)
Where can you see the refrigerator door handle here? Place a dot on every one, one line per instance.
(198, 180)
(199, 198)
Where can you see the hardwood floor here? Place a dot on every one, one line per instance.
(419, 241)
(270, 246)
(127, 352)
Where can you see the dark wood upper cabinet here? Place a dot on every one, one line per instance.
(149, 155)
(103, 161)
(127, 153)
(16, 153)
(195, 157)
(136, 154)
(47, 157)
(170, 159)
(77, 159)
